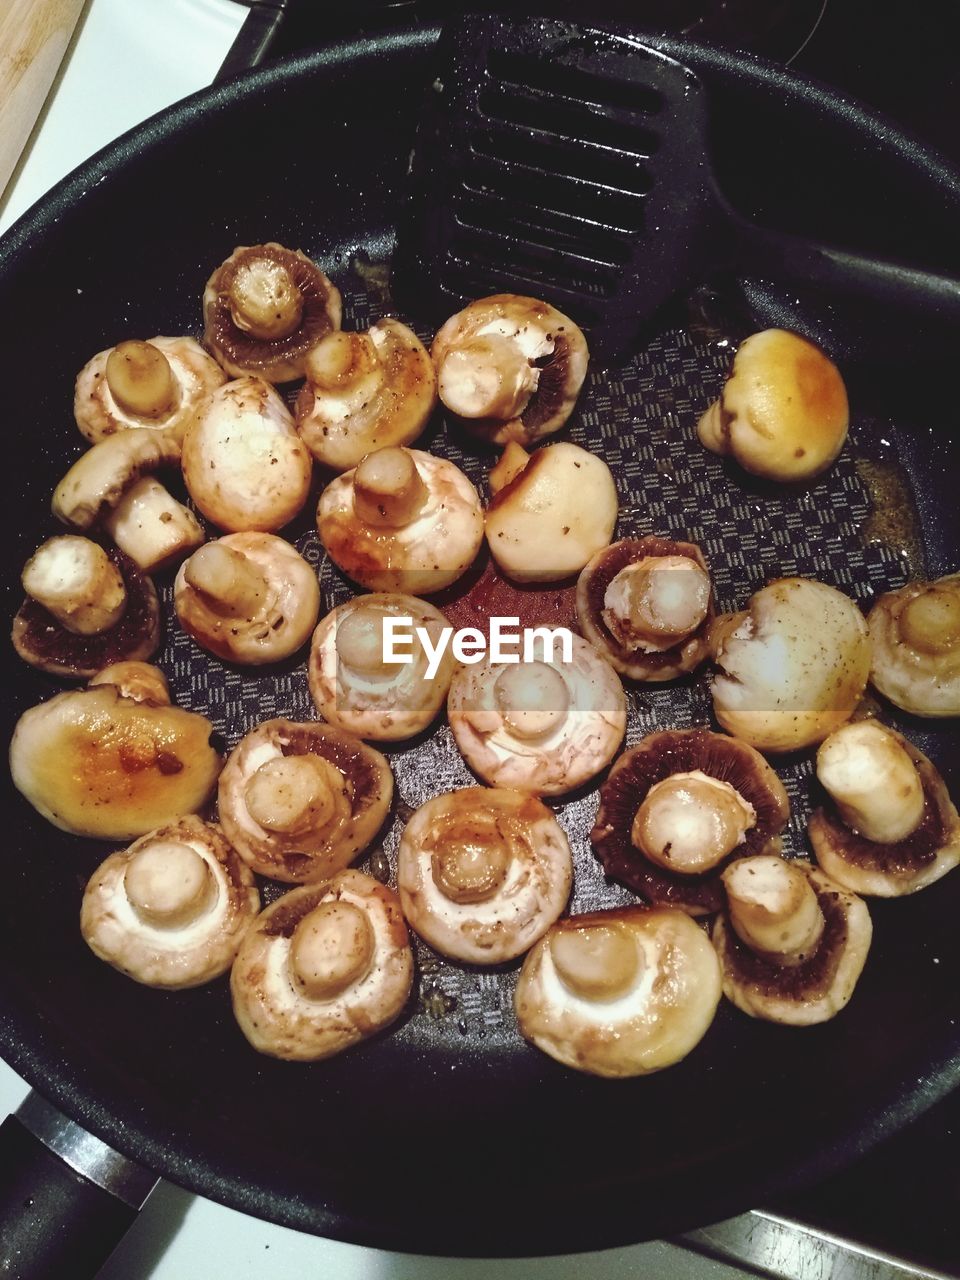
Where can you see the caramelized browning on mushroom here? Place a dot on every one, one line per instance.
(916, 646)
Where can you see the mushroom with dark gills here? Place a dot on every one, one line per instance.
(248, 597)
(322, 968)
(265, 308)
(792, 943)
(98, 762)
(510, 367)
(159, 384)
(403, 520)
(365, 391)
(792, 667)
(170, 911)
(889, 827)
(86, 606)
(483, 873)
(783, 411)
(351, 684)
(300, 801)
(544, 726)
(646, 604)
(916, 646)
(623, 992)
(677, 807)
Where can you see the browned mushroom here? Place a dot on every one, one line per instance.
(619, 993)
(265, 308)
(646, 604)
(322, 968)
(793, 943)
(510, 368)
(916, 646)
(891, 828)
(678, 806)
(300, 801)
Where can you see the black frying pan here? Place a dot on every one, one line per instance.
(448, 1135)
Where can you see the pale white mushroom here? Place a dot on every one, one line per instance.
(243, 462)
(157, 384)
(322, 968)
(354, 687)
(916, 646)
(171, 910)
(483, 873)
(619, 993)
(403, 520)
(248, 597)
(140, 681)
(543, 727)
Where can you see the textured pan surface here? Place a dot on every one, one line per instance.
(448, 1134)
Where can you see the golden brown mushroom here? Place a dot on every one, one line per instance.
(916, 646)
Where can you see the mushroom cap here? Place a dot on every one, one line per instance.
(388, 405)
(419, 558)
(892, 870)
(195, 375)
(386, 704)
(140, 681)
(655, 1021)
(599, 572)
(925, 682)
(545, 337)
(158, 955)
(657, 757)
(96, 763)
(553, 516)
(783, 410)
(99, 478)
(277, 1016)
(574, 750)
(526, 895)
(793, 668)
(278, 628)
(243, 462)
(40, 639)
(279, 359)
(817, 988)
(312, 855)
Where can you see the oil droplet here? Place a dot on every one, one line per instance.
(893, 520)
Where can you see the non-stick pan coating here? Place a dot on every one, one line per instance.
(448, 1134)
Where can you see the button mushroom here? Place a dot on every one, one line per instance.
(916, 646)
(322, 968)
(891, 828)
(158, 384)
(248, 597)
(351, 684)
(111, 487)
(552, 514)
(171, 910)
(86, 606)
(483, 873)
(783, 411)
(646, 605)
(543, 727)
(140, 681)
(244, 464)
(365, 391)
(510, 368)
(98, 763)
(300, 801)
(402, 520)
(793, 667)
(792, 944)
(619, 993)
(678, 806)
(264, 310)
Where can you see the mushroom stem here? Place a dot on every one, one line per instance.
(141, 380)
(229, 581)
(710, 429)
(293, 794)
(264, 300)
(602, 962)
(471, 860)
(930, 621)
(332, 948)
(169, 884)
(689, 822)
(487, 377)
(137, 680)
(359, 641)
(340, 360)
(512, 461)
(388, 491)
(773, 908)
(532, 698)
(656, 602)
(873, 782)
(151, 526)
(77, 582)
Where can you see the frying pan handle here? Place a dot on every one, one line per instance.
(66, 1199)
